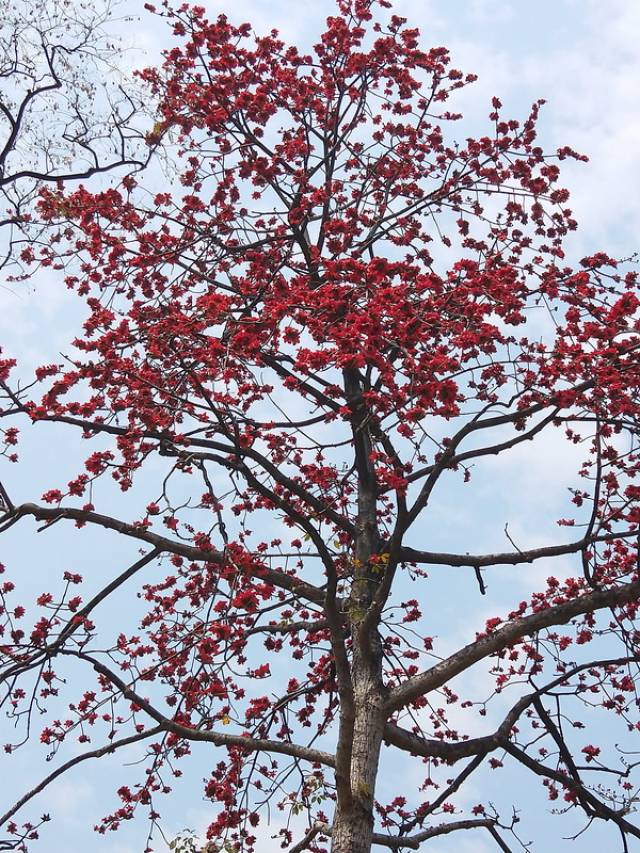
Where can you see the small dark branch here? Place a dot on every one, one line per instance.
(306, 841)
(105, 592)
(596, 807)
(493, 832)
(95, 753)
(5, 500)
(80, 174)
(236, 463)
(449, 457)
(491, 450)
(455, 785)
(76, 623)
(288, 628)
(304, 386)
(588, 537)
(555, 733)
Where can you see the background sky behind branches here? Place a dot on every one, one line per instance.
(583, 57)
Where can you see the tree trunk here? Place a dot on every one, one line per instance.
(361, 728)
(353, 822)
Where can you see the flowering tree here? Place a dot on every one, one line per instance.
(327, 319)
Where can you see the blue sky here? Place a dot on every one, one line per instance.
(582, 57)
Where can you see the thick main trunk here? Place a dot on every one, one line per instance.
(351, 833)
(362, 723)
(353, 822)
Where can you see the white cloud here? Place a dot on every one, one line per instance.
(69, 798)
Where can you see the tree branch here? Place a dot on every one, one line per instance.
(306, 753)
(508, 558)
(161, 543)
(413, 842)
(451, 752)
(487, 645)
(95, 753)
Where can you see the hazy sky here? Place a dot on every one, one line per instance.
(583, 57)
